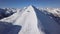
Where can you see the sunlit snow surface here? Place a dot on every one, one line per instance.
(31, 20)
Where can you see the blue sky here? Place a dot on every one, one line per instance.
(23, 3)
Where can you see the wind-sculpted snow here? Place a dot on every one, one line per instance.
(30, 20)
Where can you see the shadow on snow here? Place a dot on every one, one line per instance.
(9, 28)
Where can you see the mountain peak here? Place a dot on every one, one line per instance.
(31, 6)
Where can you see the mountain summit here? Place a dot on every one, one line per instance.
(32, 21)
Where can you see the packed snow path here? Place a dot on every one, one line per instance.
(31, 21)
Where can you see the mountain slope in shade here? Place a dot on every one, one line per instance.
(49, 25)
(32, 21)
(6, 12)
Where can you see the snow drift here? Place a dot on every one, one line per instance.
(29, 20)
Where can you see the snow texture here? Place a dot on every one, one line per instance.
(29, 20)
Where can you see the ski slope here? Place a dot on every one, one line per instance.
(29, 20)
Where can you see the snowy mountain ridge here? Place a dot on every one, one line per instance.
(30, 20)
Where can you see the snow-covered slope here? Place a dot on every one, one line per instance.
(50, 26)
(54, 13)
(5, 12)
(29, 20)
